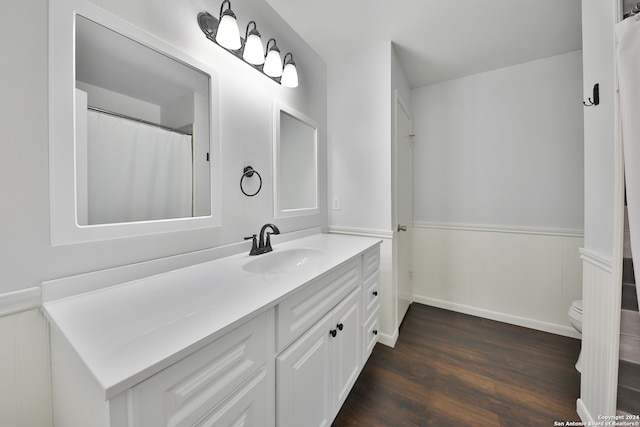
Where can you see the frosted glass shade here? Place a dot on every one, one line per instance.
(273, 64)
(253, 50)
(228, 35)
(289, 75)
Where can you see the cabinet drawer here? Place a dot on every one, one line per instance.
(247, 407)
(299, 312)
(371, 295)
(370, 261)
(370, 336)
(187, 390)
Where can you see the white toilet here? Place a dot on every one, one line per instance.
(575, 317)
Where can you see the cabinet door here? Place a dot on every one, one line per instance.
(347, 346)
(304, 378)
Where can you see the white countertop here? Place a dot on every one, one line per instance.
(128, 332)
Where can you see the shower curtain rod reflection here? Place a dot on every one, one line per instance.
(135, 119)
(634, 11)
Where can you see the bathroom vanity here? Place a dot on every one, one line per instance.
(275, 339)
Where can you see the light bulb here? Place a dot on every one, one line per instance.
(228, 35)
(273, 63)
(290, 73)
(252, 52)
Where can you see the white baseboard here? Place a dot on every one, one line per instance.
(583, 412)
(553, 328)
(388, 340)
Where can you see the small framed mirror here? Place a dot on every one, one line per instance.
(295, 163)
(134, 144)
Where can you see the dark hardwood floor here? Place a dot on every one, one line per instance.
(452, 369)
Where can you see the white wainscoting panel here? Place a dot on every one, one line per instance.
(25, 376)
(600, 339)
(524, 278)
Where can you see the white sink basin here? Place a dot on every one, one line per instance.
(284, 261)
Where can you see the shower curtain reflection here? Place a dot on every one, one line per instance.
(136, 172)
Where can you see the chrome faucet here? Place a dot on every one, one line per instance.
(264, 244)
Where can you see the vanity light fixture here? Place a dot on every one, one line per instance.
(273, 62)
(228, 35)
(290, 73)
(252, 50)
(224, 32)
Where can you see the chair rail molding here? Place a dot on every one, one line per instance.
(382, 234)
(20, 300)
(597, 260)
(564, 232)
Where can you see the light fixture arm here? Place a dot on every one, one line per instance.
(274, 47)
(253, 31)
(290, 60)
(228, 11)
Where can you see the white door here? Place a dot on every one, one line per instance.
(404, 207)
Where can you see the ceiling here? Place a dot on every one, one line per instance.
(438, 40)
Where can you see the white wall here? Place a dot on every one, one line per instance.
(360, 99)
(498, 193)
(502, 148)
(26, 255)
(599, 125)
(359, 139)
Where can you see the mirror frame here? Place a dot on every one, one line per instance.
(62, 145)
(278, 109)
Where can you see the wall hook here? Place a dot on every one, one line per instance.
(596, 97)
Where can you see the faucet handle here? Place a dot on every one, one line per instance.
(267, 243)
(254, 245)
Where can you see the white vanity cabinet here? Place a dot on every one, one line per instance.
(217, 345)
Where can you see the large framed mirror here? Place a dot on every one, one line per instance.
(295, 163)
(134, 131)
